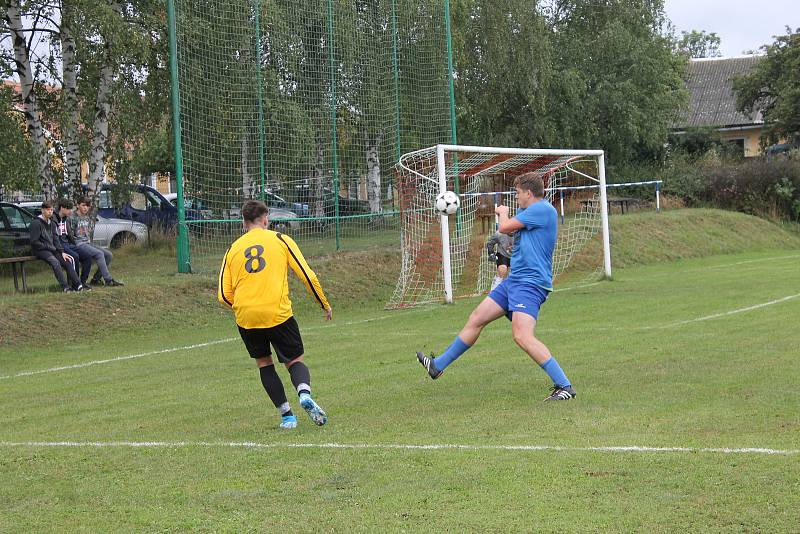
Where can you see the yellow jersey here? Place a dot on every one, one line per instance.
(253, 280)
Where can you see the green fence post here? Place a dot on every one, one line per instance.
(182, 244)
(260, 82)
(332, 64)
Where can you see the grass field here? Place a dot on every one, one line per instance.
(687, 416)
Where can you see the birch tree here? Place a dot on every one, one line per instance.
(78, 61)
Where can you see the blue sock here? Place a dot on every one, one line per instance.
(456, 349)
(554, 371)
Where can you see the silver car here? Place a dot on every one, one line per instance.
(111, 233)
(114, 233)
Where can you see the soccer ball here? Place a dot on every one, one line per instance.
(447, 203)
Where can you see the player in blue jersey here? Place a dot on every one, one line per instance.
(519, 296)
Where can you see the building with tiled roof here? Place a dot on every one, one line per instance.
(712, 102)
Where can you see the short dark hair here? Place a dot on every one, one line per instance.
(46, 205)
(531, 181)
(252, 210)
(65, 203)
(85, 200)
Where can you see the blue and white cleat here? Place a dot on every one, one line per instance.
(288, 421)
(314, 411)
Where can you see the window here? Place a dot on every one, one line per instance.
(105, 200)
(17, 219)
(138, 201)
(153, 200)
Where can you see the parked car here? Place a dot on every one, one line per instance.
(111, 233)
(15, 237)
(144, 204)
(280, 220)
(194, 209)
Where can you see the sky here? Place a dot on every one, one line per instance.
(741, 24)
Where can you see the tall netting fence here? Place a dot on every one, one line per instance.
(306, 105)
(485, 179)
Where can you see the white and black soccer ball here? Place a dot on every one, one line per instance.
(447, 203)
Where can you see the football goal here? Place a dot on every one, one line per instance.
(444, 257)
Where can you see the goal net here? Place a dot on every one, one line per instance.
(446, 257)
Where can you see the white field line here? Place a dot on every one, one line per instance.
(391, 446)
(727, 313)
(118, 358)
(175, 349)
(395, 315)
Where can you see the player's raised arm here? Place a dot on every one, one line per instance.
(225, 285)
(301, 268)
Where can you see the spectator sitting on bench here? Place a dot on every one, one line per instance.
(62, 211)
(79, 230)
(46, 245)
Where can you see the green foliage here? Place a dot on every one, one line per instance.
(773, 88)
(699, 44)
(761, 186)
(18, 168)
(582, 75)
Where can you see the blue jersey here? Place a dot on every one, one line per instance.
(532, 259)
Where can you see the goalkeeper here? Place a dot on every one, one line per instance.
(499, 248)
(253, 283)
(524, 291)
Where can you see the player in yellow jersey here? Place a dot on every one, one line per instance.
(253, 282)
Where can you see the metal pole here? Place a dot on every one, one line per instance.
(604, 217)
(658, 197)
(182, 244)
(561, 195)
(445, 226)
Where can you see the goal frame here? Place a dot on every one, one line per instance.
(441, 149)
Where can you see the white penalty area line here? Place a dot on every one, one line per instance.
(118, 358)
(176, 349)
(391, 446)
(725, 314)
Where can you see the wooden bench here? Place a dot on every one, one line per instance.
(623, 203)
(19, 260)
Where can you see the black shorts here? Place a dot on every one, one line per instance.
(502, 260)
(284, 338)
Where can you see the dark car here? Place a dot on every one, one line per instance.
(138, 203)
(15, 236)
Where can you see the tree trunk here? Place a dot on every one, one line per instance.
(373, 172)
(97, 156)
(29, 105)
(72, 163)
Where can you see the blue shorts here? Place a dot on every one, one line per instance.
(516, 297)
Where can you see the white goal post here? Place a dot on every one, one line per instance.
(443, 257)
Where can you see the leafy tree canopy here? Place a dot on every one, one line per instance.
(773, 88)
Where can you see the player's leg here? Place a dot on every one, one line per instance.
(502, 270)
(69, 267)
(257, 344)
(286, 340)
(526, 303)
(50, 259)
(486, 312)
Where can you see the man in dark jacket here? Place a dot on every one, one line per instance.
(46, 246)
(61, 213)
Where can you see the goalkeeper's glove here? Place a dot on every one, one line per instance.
(492, 257)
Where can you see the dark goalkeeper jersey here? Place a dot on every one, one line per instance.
(253, 280)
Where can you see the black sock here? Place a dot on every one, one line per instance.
(272, 385)
(301, 377)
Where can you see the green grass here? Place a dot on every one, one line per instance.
(665, 355)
